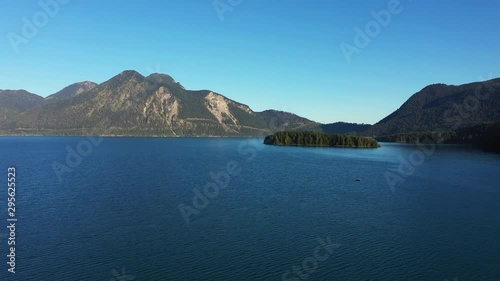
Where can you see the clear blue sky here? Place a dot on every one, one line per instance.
(282, 55)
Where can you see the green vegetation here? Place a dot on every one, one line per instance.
(418, 137)
(485, 136)
(345, 128)
(310, 138)
(445, 107)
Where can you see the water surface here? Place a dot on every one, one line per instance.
(119, 209)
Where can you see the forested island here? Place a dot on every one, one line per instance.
(310, 138)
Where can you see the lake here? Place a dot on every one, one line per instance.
(235, 209)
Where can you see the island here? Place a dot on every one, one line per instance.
(316, 139)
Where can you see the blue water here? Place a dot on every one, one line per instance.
(116, 216)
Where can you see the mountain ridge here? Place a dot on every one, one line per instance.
(133, 104)
(71, 91)
(444, 107)
(16, 101)
(130, 103)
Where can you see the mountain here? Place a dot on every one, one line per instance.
(71, 91)
(281, 120)
(444, 107)
(345, 128)
(157, 105)
(13, 102)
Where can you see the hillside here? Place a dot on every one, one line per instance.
(14, 102)
(444, 107)
(157, 105)
(345, 128)
(485, 136)
(71, 91)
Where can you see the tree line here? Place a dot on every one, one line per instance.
(485, 136)
(310, 138)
